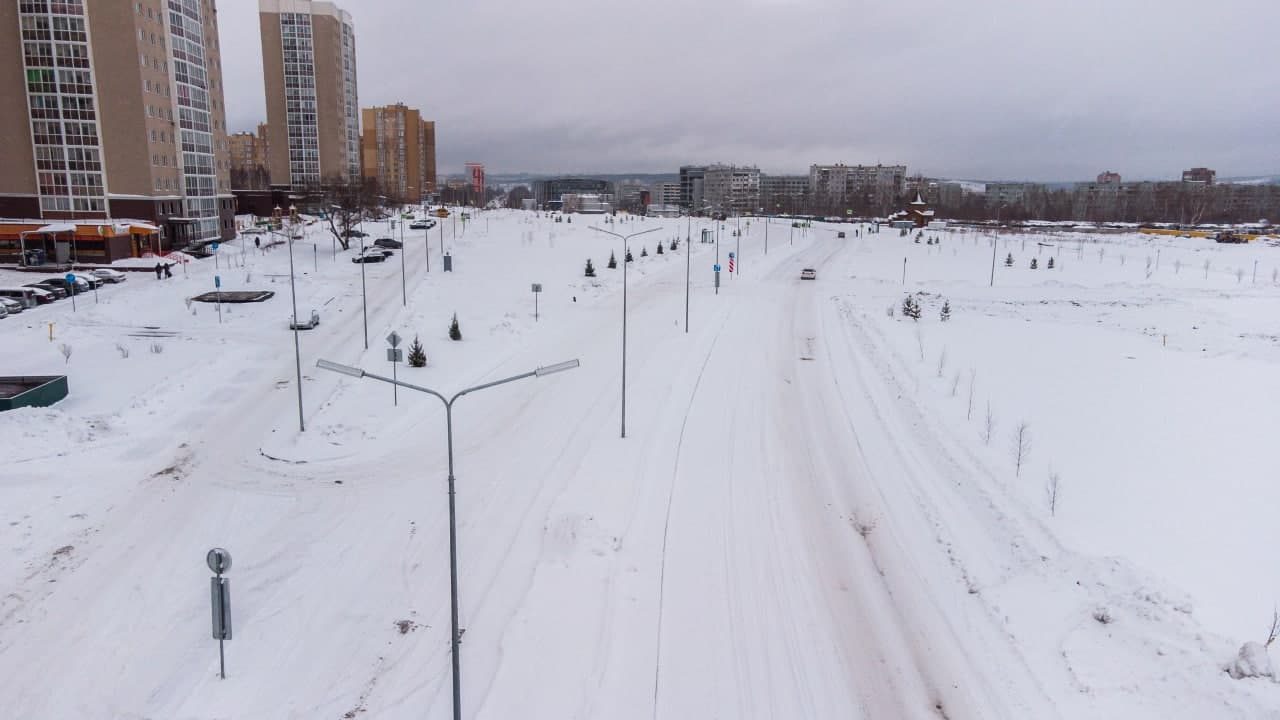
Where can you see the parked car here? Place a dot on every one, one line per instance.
(355, 234)
(13, 306)
(306, 323)
(58, 292)
(388, 243)
(68, 288)
(92, 281)
(109, 275)
(43, 296)
(372, 255)
(26, 296)
(840, 234)
(422, 224)
(808, 274)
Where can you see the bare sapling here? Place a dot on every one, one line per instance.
(973, 374)
(1206, 269)
(65, 349)
(942, 362)
(955, 383)
(1020, 446)
(988, 426)
(1051, 491)
(920, 343)
(124, 351)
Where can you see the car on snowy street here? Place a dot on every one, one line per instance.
(422, 224)
(307, 323)
(58, 291)
(27, 296)
(109, 275)
(70, 288)
(13, 306)
(368, 256)
(388, 243)
(808, 274)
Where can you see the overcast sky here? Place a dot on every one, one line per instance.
(974, 89)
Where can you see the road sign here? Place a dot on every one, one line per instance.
(537, 287)
(217, 281)
(71, 278)
(395, 355)
(442, 213)
(393, 339)
(716, 267)
(218, 560)
(220, 598)
(214, 247)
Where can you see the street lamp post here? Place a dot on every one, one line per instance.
(453, 525)
(293, 294)
(625, 239)
(994, 242)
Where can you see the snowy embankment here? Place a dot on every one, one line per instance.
(804, 520)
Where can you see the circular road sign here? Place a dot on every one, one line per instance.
(219, 560)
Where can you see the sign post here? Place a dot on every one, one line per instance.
(717, 269)
(394, 356)
(537, 289)
(731, 262)
(71, 289)
(217, 286)
(214, 248)
(219, 561)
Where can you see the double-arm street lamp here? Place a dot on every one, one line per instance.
(293, 294)
(625, 251)
(453, 527)
(688, 262)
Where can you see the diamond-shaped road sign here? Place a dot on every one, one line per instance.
(393, 339)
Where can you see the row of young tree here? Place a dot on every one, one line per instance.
(590, 269)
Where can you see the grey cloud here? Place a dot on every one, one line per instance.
(1034, 89)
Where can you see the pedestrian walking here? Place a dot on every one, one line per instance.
(167, 272)
(158, 271)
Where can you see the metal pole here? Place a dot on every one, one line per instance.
(993, 260)
(315, 257)
(404, 292)
(737, 268)
(766, 234)
(222, 661)
(904, 271)
(688, 270)
(297, 351)
(453, 570)
(395, 389)
(364, 297)
(624, 337)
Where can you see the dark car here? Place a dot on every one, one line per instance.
(388, 243)
(94, 281)
(58, 291)
(368, 257)
(69, 288)
(355, 233)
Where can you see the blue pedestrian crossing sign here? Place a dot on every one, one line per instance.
(716, 267)
(71, 278)
(214, 246)
(217, 281)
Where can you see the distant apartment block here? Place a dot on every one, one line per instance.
(1109, 178)
(475, 177)
(548, 193)
(857, 185)
(1204, 176)
(783, 193)
(429, 157)
(731, 188)
(115, 110)
(249, 159)
(309, 69)
(395, 154)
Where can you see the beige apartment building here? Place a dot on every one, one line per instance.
(309, 69)
(249, 161)
(114, 110)
(398, 152)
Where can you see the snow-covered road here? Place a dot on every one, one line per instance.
(785, 532)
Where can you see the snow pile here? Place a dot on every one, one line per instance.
(1251, 662)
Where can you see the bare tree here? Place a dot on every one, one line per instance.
(1275, 628)
(65, 349)
(1051, 491)
(920, 343)
(973, 375)
(989, 426)
(942, 362)
(1020, 446)
(955, 383)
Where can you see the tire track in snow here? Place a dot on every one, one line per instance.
(666, 523)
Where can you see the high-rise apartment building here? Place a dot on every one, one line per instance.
(249, 162)
(395, 151)
(731, 188)
(309, 68)
(115, 110)
(429, 156)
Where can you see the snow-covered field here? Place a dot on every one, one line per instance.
(807, 518)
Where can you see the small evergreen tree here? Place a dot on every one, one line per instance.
(629, 258)
(1008, 261)
(417, 355)
(659, 248)
(946, 311)
(644, 252)
(1050, 266)
(613, 262)
(591, 269)
(674, 244)
(910, 308)
(455, 332)
(1033, 264)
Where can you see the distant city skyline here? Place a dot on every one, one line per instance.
(1006, 91)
